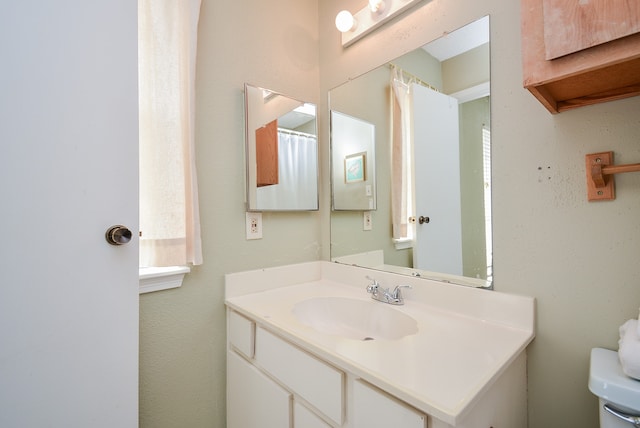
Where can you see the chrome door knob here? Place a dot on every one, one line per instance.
(118, 235)
(422, 219)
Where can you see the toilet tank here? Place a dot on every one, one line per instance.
(619, 395)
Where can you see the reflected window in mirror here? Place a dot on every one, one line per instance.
(281, 149)
(433, 162)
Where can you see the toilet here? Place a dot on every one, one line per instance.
(619, 395)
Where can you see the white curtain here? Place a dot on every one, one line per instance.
(169, 216)
(401, 153)
(297, 186)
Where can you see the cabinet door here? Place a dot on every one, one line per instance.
(373, 408)
(304, 418)
(254, 400)
(312, 379)
(241, 334)
(571, 26)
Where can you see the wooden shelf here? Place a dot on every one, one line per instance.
(605, 72)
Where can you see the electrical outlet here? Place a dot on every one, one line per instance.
(366, 221)
(254, 225)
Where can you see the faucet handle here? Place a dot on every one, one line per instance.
(373, 287)
(397, 292)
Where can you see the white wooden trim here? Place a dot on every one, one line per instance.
(161, 278)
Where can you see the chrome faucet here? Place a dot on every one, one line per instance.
(384, 295)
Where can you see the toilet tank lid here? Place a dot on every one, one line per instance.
(607, 380)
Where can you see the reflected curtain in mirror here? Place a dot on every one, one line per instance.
(401, 163)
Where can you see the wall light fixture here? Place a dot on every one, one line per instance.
(377, 12)
(345, 21)
(376, 6)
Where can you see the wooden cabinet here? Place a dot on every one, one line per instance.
(267, 154)
(580, 53)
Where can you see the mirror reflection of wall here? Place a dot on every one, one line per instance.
(458, 66)
(281, 152)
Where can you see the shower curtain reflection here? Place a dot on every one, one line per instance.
(297, 181)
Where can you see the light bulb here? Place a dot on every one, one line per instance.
(376, 6)
(345, 21)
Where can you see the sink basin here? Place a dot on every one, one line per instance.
(355, 319)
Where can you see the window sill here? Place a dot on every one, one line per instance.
(161, 278)
(403, 244)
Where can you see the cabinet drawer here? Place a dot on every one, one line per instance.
(373, 408)
(316, 382)
(241, 334)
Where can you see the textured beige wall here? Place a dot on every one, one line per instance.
(271, 44)
(579, 260)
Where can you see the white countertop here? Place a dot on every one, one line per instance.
(463, 343)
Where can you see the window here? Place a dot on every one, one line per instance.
(169, 216)
(486, 167)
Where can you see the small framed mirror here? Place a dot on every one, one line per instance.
(281, 152)
(353, 163)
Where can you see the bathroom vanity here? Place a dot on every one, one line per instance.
(308, 347)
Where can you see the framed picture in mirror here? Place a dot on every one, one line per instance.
(355, 168)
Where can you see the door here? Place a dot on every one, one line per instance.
(436, 148)
(68, 171)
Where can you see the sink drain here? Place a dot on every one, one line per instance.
(368, 338)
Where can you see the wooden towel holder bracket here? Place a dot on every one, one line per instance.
(600, 186)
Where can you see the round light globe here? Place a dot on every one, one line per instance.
(345, 21)
(376, 6)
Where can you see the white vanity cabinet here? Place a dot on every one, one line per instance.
(463, 367)
(272, 383)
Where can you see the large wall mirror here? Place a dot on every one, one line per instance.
(431, 111)
(281, 152)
